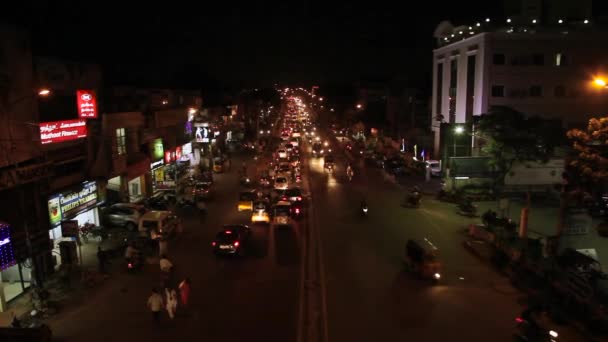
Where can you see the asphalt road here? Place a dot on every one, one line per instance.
(250, 299)
(370, 297)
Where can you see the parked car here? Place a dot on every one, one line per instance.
(158, 224)
(435, 167)
(123, 215)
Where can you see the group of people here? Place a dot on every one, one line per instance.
(156, 301)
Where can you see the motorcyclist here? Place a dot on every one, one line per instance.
(349, 171)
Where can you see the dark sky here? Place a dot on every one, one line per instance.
(246, 43)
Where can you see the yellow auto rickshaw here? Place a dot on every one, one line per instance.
(422, 258)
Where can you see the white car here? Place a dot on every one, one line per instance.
(282, 153)
(280, 183)
(435, 167)
(295, 142)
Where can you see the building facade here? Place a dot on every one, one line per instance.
(538, 71)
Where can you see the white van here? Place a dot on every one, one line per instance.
(158, 223)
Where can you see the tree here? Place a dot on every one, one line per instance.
(591, 159)
(512, 137)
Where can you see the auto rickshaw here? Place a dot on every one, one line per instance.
(422, 259)
(218, 165)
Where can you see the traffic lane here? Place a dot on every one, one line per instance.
(232, 298)
(366, 284)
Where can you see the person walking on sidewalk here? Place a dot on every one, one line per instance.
(102, 260)
(155, 304)
(184, 291)
(171, 302)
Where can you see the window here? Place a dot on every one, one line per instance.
(538, 59)
(498, 91)
(499, 59)
(470, 85)
(560, 91)
(536, 91)
(121, 143)
(439, 90)
(453, 86)
(560, 59)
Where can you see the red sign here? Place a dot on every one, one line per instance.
(169, 156)
(87, 104)
(58, 131)
(178, 153)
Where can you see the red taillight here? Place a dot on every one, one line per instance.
(130, 265)
(297, 210)
(228, 232)
(236, 244)
(299, 198)
(213, 243)
(283, 198)
(519, 320)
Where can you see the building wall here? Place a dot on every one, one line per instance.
(18, 105)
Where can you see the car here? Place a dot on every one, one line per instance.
(295, 142)
(284, 168)
(202, 190)
(265, 181)
(296, 133)
(260, 212)
(289, 147)
(285, 136)
(328, 163)
(282, 214)
(280, 183)
(246, 199)
(293, 195)
(158, 224)
(124, 215)
(317, 149)
(294, 160)
(282, 153)
(231, 240)
(435, 167)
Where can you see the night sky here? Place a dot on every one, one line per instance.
(249, 43)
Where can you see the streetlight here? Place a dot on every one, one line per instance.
(359, 106)
(191, 110)
(44, 92)
(321, 99)
(457, 131)
(600, 82)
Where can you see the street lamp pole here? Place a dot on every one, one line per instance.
(457, 131)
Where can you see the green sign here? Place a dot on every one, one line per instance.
(157, 150)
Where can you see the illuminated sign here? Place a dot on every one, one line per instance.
(7, 255)
(186, 149)
(157, 149)
(178, 153)
(156, 164)
(58, 131)
(87, 104)
(70, 202)
(169, 157)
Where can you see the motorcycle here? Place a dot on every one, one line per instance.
(529, 330)
(467, 209)
(413, 200)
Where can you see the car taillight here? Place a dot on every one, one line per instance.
(299, 198)
(236, 244)
(519, 320)
(130, 265)
(213, 243)
(297, 210)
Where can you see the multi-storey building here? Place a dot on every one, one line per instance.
(537, 68)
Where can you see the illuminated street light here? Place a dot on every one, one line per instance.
(321, 99)
(191, 110)
(533, 21)
(586, 21)
(600, 82)
(44, 92)
(487, 20)
(457, 131)
(560, 21)
(359, 106)
(508, 20)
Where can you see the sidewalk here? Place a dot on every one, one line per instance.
(63, 295)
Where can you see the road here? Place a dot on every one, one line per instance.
(369, 295)
(254, 298)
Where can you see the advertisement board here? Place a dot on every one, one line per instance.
(71, 202)
(157, 151)
(187, 149)
(7, 256)
(58, 131)
(86, 100)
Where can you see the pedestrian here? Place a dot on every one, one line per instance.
(184, 291)
(101, 259)
(165, 270)
(171, 305)
(155, 304)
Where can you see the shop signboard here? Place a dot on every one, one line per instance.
(169, 157)
(202, 132)
(187, 149)
(157, 150)
(156, 164)
(7, 256)
(69, 228)
(86, 101)
(59, 131)
(71, 202)
(178, 153)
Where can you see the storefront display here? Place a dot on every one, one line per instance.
(79, 204)
(13, 281)
(136, 189)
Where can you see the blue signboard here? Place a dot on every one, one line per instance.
(7, 256)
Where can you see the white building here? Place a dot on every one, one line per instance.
(538, 71)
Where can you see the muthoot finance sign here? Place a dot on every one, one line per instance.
(58, 131)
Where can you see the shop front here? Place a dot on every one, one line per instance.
(14, 277)
(72, 208)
